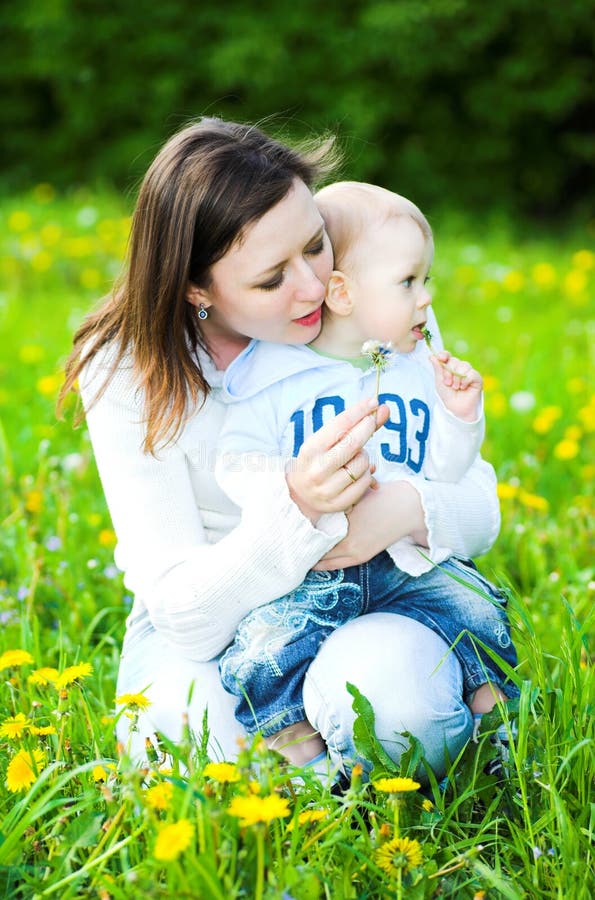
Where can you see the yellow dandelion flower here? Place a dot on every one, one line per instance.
(496, 404)
(23, 769)
(34, 501)
(107, 537)
(223, 772)
(566, 449)
(98, 773)
(42, 261)
(583, 259)
(546, 419)
(44, 192)
(507, 491)
(588, 472)
(479, 895)
(31, 353)
(252, 810)
(427, 805)
(254, 787)
(309, 817)
(534, 501)
(587, 417)
(544, 275)
(78, 247)
(73, 673)
(513, 282)
(573, 433)
(19, 220)
(12, 658)
(43, 676)
(575, 282)
(490, 383)
(396, 785)
(48, 385)
(42, 730)
(50, 234)
(173, 840)
(398, 855)
(133, 701)
(160, 795)
(14, 726)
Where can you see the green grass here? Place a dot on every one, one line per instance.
(87, 826)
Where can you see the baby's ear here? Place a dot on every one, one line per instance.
(338, 294)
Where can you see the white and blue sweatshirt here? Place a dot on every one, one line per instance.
(279, 395)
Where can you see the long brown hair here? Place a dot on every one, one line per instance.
(204, 187)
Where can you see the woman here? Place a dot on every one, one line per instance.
(228, 245)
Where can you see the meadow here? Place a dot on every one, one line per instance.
(79, 819)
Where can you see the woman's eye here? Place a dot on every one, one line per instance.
(316, 249)
(272, 285)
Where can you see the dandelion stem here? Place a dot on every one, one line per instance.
(259, 863)
(428, 339)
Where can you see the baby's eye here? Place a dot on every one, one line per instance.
(408, 282)
(427, 279)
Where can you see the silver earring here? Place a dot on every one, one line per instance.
(202, 312)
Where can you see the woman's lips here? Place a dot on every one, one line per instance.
(311, 319)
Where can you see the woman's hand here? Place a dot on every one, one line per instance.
(332, 473)
(381, 518)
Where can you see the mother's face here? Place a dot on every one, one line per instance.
(271, 285)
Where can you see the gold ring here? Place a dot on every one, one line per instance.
(351, 475)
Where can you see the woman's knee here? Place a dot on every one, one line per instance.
(408, 674)
(176, 688)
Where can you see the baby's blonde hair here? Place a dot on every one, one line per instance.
(350, 208)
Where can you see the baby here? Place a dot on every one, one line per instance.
(383, 251)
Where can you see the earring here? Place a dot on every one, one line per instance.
(202, 312)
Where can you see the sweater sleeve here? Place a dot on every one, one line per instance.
(453, 444)
(195, 592)
(463, 519)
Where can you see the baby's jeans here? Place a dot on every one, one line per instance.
(275, 644)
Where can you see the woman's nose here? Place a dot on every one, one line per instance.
(310, 288)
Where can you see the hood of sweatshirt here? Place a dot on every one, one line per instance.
(262, 364)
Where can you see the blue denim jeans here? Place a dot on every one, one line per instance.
(275, 644)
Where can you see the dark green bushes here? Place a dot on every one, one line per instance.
(452, 101)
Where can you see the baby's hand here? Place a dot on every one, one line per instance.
(458, 384)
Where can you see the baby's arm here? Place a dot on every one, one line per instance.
(458, 424)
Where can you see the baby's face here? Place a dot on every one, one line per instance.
(388, 285)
